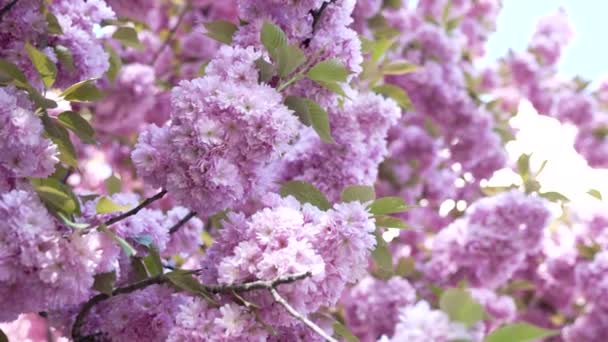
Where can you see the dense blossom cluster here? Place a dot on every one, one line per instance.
(185, 176)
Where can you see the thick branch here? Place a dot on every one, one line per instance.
(277, 298)
(7, 8)
(316, 17)
(135, 210)
(161, 279)
(181, 222)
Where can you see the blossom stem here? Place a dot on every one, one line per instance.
(181, 222)
(171, 34)
(135, 210)
(290, 309)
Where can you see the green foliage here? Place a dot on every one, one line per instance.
(382, 257)
(343, 331)
(3, 337)
(153, 263)
(387, 205)
(65, 58)
(104, 282)
(390, 222)
(45, 67)
(595, 193)
(523, 166)
(184, 280)
(115, 63)
(265, 69)
(554, 196)
(461, 307)
(395, 93)
(519, 332)
(52, 24)
(105, 205)
(305, 193)
(127, 36)
(311, 114)
(399, 67)
(221, 30)
(361, 193)
(60, 136)
(290, 57)
(273, 39)
(376, 48)
(9, 72)
(84, 91)
(56, 196)
(77, 124)
(113, 184)
(329, 71)
(124, 244)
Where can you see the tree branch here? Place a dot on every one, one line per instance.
(171, 34)
(161, 279)
(181, 222)
(316, 17)
(135, 210)
(7, 8)
(277, 298)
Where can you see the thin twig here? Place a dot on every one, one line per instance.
(161, 279)
(181, 222)
(277, 298)
(171, 34)
(135, 210)
(316, 18)
(7, 8)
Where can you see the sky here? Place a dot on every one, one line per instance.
(587, 54)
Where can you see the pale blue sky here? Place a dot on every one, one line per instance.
(586, 55)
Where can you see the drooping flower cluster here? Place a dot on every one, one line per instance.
(25, 152)
(491, 241)
(225, 131)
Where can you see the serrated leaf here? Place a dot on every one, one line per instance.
(84, 91)
(595, 193)
(290, 57)
(390, 222)
(105, 205)
(46, 68)
(300, 108)
(153, 263)
(52, 24)
(399, 68)
(554, 196)
(113, 184)
(330, 70)
(387, 205)
(460, 306)
(65, 58)
(319, 120)
(115, 63)
(382, 257)
(56, 195)
(61, 138)
(361, 193)
(265, 69)
(395, 93)
(124, 244)
(128, 37)
(519, 332)
(342, 331)
(305, 193)
(221, 30)
(273, 38)
(77, 124)
(104, 282)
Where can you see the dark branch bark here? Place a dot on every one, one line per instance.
(316, 17)
(181, 222)
(7, 8)
(135, 210)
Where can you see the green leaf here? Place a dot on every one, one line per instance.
(221, 30)
(342, 331)
(523, 166)
(319, 120)
(460, 306)
(273, 38)
(105, 205)
(45, 67)
(382, 257)
(290, 58)
(65, 57)
(300, 108)
(390, 222)
(56, 195)
(52, 24)
(9, 72)
(153, 263)
(66, 220)
(265, 69)
(519, 332)
(399, 68)
(395, 93)
(330, 70)
(3, 337)
(361, 193)
(554, 196)
(104, 282)
(61, 138)
(84, 91)
(406, 267)
(113, 184)
(376, 48)
(124, 245)
(595, 193)
(333, 87)
(128, 37)
(392, 4)
(77, 124)
(39, 100)
(202, 70)
(305, 193)
(115, 63)
(184, 280)
(387, 205)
